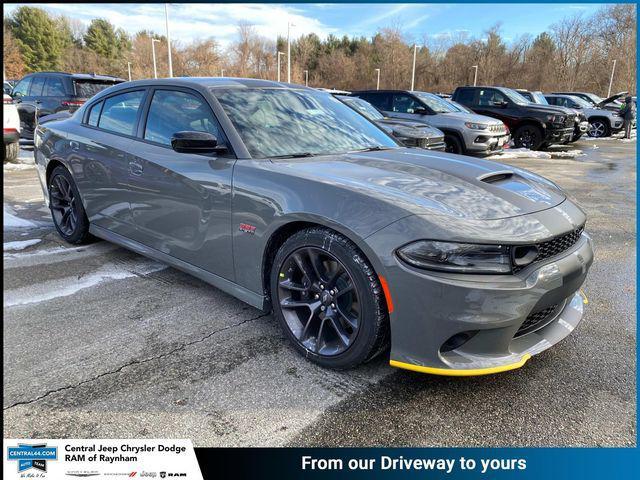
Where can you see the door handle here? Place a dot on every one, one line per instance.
(135, 168)
(75, 146)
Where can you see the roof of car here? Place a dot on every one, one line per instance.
(80, 76)
(217, 82)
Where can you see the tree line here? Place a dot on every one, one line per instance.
(576, 53)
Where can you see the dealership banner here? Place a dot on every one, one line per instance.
(60, 459)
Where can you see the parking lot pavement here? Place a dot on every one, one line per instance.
(100, 342)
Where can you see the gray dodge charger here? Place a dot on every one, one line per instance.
(291, 201)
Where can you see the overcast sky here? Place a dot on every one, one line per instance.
(199, 21)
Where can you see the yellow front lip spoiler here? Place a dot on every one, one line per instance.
(461, 372)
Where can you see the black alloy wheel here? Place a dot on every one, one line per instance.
(328, 299)
(66, 207)
(452, 145)
(528, 136)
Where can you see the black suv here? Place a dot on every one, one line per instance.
(532, 126)
(44, 93)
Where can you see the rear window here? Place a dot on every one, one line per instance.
(88, 88)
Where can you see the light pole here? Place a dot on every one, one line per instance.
(475, 75)
(413, 71)
(166, 19)
(129, 69)
(222, 72)
(279, 54)
(613, 70)
(378, 81)
(153, 51)
(306, 78)
(289, 25)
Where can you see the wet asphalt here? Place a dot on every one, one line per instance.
(100, 342)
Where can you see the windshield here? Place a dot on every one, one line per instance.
(594, 98)
(515, 97)
(435, 103)
(539, 98)
(363, 107)
(275, 122)
(580, 101)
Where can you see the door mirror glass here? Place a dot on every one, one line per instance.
(421, 111)
(195, 142)
(501, 104)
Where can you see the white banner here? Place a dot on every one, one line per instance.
(68, 459)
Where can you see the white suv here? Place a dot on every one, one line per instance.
(10, 129)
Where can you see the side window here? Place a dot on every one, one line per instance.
(173, 111)
(22, 88)
(37, 85)
(378, 100)
(94, 114)
(465, 96)
(405, 104)
(490, 97)
(120, 112)
(54, 87)
(552, 100)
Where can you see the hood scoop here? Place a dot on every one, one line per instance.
(495, 177)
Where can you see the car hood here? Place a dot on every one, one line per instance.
(550, 109)
(433, 183)
(402, 126)
(612, 98)
(468, 117)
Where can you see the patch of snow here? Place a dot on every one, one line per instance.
(519, 153)
(13, 167)
(19, 245)
(13, 221)
(568, 154)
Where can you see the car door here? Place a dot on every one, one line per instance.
(29, 104)
(181, 202)
(100, 158)
(53, 95)
(493, 103)
(403, 105)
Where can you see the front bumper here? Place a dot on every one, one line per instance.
(486, 143)
(581, 128)
(432, 308)
(558, 135)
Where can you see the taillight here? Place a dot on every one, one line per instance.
(7, 101)
(5, 131)
(72, 103)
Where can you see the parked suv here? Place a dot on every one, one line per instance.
(532, 126)
(44, 93)
(602, 122)
(410, 133)
(610, 103)
(582, 123)
(464, 133)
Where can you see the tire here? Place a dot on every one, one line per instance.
(453, 145)
(599, 128)
(335, 330)
(528, 136)
(66, 207)
(11, 151)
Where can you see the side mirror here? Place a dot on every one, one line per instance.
(421, 111)
(502, 104)
(195, 142)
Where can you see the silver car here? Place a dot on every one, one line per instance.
(465, 133)
(602, 122)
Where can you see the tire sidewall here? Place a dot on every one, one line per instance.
(537, 145)
(81, 231)
(368, 294)
(451, 141)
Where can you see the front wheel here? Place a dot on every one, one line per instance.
(599, 128)
(67, 210)
(453, 145)
(528, 136)
(328, 299)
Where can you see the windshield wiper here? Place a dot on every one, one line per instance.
(377, 148)
(295, 155)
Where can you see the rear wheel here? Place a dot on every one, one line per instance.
(11, 151)
(599, 128)
(328, 299)
(67, 210)
(528, 136)
(453, 145)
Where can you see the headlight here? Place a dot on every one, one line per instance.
(556, 118)
(476, 126)
(457, 257)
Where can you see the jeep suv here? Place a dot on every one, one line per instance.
(602, 122)
(532, 126)
(44, 93)
(610, 103)
(464, 132)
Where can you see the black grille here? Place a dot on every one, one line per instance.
(538, 320)
(555, 246)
